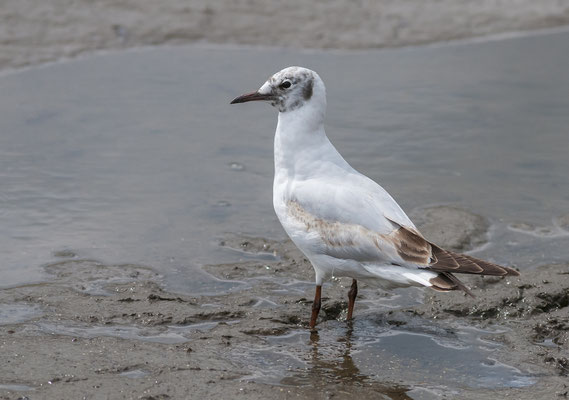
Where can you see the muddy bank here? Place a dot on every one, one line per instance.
(532, 308)
(35, 32)
(455, 228)
(112, 332)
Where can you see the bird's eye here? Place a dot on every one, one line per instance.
(286, 85)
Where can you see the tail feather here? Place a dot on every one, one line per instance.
(447, 262)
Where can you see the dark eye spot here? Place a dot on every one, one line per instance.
(285, 85)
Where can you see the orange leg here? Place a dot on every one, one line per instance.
(315, 307)
(352, 298)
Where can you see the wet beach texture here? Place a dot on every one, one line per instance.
(110, 330)
(142, 258)
(33, 32)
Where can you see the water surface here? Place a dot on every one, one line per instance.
(138, 157)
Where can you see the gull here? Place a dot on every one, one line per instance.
(345, 223)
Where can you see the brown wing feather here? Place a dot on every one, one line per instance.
(447, 261)
(445, 282)
(412, 247)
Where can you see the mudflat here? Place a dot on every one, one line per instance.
(110, 331)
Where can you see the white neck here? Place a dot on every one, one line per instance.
(301, 142)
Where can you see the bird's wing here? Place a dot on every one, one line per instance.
(359, 220)
(350, 198)
(354, 218)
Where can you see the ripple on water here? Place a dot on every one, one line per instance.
(235, 166)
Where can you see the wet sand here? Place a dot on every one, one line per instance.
(35, 32)
(111, 331)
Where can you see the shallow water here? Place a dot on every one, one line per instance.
(137, 157)
(18, 388)
(418, 353)
(17, 313)
(170, 335)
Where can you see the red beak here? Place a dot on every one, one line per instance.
(254, 96)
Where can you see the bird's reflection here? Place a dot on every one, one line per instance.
(332, 363)
(338, 366)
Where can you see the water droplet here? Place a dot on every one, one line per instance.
(235, 166)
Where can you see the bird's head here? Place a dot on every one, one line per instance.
(289, 89)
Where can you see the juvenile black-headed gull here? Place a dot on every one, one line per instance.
(345, 223)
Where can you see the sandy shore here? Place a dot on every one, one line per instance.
(32, 32)
(111, 331)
